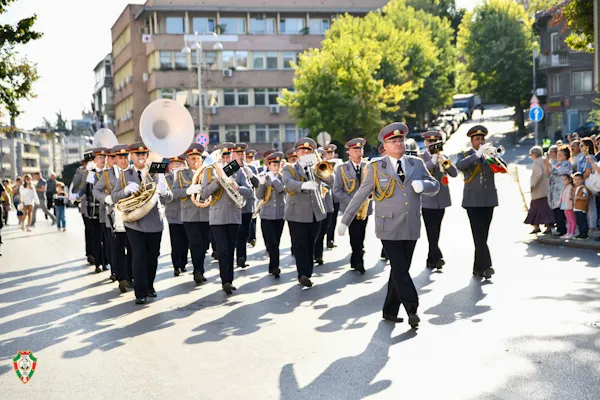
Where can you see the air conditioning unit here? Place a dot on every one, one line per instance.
(275, 109)
(212, 110)
(227, 73)
(145, 76)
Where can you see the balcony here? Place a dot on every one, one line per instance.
(554, 61)
(106, 82)
(251, 78)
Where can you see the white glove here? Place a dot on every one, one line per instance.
(132, 187)
(108, 200)
(193, 189)
(271, 175)
(162, 188)
(90, 178)
(90, 165)
(341, 229)
(435, 158)
(479, 152)
(73, 197)
(310, 185)
(417, 186)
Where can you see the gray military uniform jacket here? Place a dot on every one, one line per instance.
(442, 199)
(83, 196)
(223, 211)
(345, 178)
(77, 179)
(189, 211)
(301, 205)
(274, 208)
(481, 190)
(172, 207)
(398, 213)
(102, 189)
(151, 222)
(252, 182)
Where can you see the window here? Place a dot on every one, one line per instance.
(258, 60)
(555, 84)
(273, 96)
(581, 82)
(288, 58)
(231, 133)
(274, 133)
(213, 134)
(180, 61)
(265, 97)
(236, 97)
(554, 42)
(272, 60)
(212, 95)
(261, 133)
(210, 59)
(203, 25)
(318, 25)
(233, 25)
(228, 58)
(182, 97)
(244, 133)
(264, 26)
(291, 26)
(166, 94)
(241, 60)
(166, 60)
(290, 133)
(174, 25)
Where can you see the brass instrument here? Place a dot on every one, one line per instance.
(493, 156)
(167, 129)
(363, 211)
(319, 170)
(436, 148)
(227, 183)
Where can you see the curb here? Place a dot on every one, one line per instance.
(589, 244)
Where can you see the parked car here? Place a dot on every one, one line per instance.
(587, 129)
(416, 135)
(444, 126)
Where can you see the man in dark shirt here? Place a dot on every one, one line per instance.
(3, 195)
(51, 191)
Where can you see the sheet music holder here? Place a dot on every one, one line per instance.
(157, 168)
(231, 168)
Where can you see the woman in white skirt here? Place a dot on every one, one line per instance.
(29, 198)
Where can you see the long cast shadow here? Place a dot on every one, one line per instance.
(23, 272)
(461, 304)
(348, 378)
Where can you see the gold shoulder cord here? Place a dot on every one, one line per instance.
(474, 172)
(268, 194)
(295, 178)
(349, 184)
(216, 195)
(107, 187)
(122, 179)
(181, 182)
(388, 191)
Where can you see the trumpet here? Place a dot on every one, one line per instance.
(493, 155)
(437, 148)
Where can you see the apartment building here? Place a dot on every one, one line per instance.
(74, 146)
(103, 94)
(51, 153)
(241, 82)
(20, 153)
(569, 78)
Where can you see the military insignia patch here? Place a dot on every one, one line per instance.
(24, 364)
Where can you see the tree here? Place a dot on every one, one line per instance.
(337, 89)
(17, 75)
(578, 16)
(443, 9)
(497, 47)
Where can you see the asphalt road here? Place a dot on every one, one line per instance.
(533, 332)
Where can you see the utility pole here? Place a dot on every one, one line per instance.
(535, 126)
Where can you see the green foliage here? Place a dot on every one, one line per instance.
(579, 16)
(595, 114)
(17, 75)
(69, 173)
(497, 49)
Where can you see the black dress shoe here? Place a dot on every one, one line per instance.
(487, 274)
(330, 244)
(413, 321)
(241, 262)
(227, 288)
(90, 260)
(113, 277)
(276, 272)
(391, 318)
(478, 274)
(233, 288)
(215, 255)
(440, 264)
(360, 267)
(105, 268)
(319, 260)
(430, 265)
(123, 286)
(98, 270)
(140, 301)
(253, 242)
(199, 278)
(182, 269)
(152, 293)
(305, 281)
(176, 272)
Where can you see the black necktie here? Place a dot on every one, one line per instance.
(400, 171)
(140, 176)
(357, 169)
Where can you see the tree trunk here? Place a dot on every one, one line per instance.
(520, 118)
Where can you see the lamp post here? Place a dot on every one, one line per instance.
(199, 61)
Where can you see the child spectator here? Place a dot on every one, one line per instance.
(581, 197)
(566, 204)
(60, 203)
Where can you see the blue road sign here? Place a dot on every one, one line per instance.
(536, 114)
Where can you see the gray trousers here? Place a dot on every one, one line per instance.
(42, 206)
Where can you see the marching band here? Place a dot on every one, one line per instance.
(217, 199)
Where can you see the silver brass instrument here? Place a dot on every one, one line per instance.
(167, 129)
(493, 156)
(317, 170)
(437, 148)
(214, 162)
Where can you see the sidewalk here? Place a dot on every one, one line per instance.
(521, 170)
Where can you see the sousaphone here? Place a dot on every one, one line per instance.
(167, 129)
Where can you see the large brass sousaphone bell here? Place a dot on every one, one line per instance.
(167, 129)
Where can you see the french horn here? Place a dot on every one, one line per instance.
(167, 129)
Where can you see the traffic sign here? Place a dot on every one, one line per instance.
(202, 138)
(534, 100)
(536, 114)
(146, 38)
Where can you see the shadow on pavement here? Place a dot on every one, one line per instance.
(459, 305)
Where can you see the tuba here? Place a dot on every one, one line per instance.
(167, 129)
(227, 183)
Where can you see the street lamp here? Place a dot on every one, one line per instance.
(199, 61)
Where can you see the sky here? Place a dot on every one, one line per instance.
(76, 37)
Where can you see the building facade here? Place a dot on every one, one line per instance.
(103, 94)
(20, 153)
(569, 78)
(74, 146)
(51, 153)
(241, 82)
